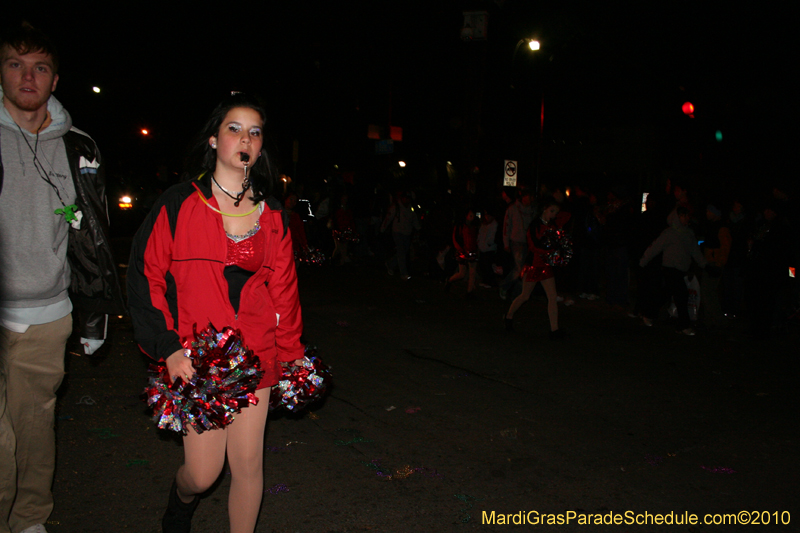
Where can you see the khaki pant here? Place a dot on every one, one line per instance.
(31, 370)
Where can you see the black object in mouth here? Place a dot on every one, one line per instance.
(245, 157)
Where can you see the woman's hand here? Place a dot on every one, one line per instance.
(180, 366)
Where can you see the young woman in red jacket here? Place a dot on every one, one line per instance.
(539, 271)
(217, 249)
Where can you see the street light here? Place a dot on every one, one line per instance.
(534, 46)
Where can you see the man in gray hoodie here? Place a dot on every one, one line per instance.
(54, 253)
(678, 246)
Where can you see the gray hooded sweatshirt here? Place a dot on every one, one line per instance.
(34, 273)
(678, 245)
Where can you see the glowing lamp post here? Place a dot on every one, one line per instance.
(534, 46)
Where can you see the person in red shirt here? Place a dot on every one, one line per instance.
(217, 248)
(465, 242)
(344, 227)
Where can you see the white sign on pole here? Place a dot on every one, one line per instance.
(510, 173)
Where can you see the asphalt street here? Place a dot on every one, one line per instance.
(439, 420)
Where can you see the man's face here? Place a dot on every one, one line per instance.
(27, 79)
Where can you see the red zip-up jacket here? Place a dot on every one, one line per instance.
(176, 281)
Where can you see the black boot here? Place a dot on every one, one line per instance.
(178, 517)
(557, 335)
(509, 324)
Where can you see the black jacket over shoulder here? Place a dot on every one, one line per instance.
(94, 286)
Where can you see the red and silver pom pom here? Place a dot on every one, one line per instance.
(347, 235)
(301, 385)
(225, 381)
(559, 246)
(310, 256)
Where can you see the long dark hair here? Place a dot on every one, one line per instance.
(546, 202)
(203, 159)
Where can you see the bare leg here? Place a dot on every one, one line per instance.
(462, 271)
(471, 280)
(337, 251)
(549, 286)
(246, 460)
(204, 457)
(527, 289)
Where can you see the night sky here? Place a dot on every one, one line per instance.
(328, 69)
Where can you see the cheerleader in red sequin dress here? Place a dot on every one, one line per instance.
(218, 249)
(539, 271)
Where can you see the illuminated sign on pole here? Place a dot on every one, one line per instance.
(510, 173)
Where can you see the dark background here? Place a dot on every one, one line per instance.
(613, 80)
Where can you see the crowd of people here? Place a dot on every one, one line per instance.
(672, 256)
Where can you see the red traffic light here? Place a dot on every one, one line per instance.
(688, 109)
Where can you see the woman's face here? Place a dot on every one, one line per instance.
(550, 213)
(240, 132)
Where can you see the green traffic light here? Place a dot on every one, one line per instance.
(718, 135)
